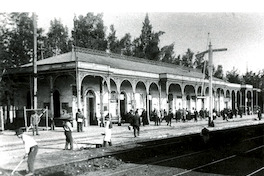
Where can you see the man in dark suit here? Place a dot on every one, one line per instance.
(136, 123)
(79, 120)
(169, 117)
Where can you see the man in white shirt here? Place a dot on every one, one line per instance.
(31, 148)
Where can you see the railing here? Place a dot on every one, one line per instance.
(7, 116)
(2, 127)
(13, 118)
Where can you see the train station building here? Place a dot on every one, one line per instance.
(99, 82)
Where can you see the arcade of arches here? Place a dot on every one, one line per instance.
(99, 94)
(99, 84)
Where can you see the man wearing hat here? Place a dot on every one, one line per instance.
(67, 126)
(79, 120)
(35, 119)
(31, 148)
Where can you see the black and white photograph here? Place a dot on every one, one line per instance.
(131, 88)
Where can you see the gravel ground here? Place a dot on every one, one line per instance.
(82, 168)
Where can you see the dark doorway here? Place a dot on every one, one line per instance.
(123, 110)
(233, 101)
(149, 110)
(91, 108)
(28, 100)
(170, 101)
(56, 100)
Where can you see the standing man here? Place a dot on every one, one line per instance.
(195, 115)
(130, 117)
(31, 148)
(35, 119)
(201, 113)
(155, 117)
(67, 126)
(259, 113)
(136, 123)
(144, 117)
(184, 114)
(169, 117)
(79, 120)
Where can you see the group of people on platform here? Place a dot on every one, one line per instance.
(135, 120)
(181, 115)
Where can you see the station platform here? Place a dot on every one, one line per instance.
(51, 142)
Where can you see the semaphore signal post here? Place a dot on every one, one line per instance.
(210, 65)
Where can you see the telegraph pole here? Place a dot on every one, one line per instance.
(210, 53)
(35, 63)
(210, 84)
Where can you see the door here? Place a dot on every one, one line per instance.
(90, 100)
(56, 100)
(123, 110)
(56, 106)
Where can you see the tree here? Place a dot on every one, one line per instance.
(146, 46)
(138, 48)
(177, 60)
(167, 53)
(4, 57)
(233, 77)
(219, 72)
(16, 44)
(57, 39)
(126, 45)
(20, 39)
(146, 34)
(113, 43)
(187, 58)
(252, 79)
(261, 83)
(152, 50)
(199, 61)
(89, 32)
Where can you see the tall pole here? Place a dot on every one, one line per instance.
(210, 65)
(210, 83)
(35, 62)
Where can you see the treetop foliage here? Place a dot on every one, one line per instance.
(16, 44)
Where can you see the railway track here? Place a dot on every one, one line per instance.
(243, 158)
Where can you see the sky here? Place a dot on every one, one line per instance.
(237, 27)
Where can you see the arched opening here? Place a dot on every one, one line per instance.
(228, 100)
(126, 90)
(123, 102)
(233, 100)
(140, 97)
(200, 98)
(153, 98)
(175, 97)
(90, 104)
(238, 101)
(220, 99)
(189, 91)
(249, 103)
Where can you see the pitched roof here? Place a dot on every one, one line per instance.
(120, 62)
(62, 58)
(137, 64)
